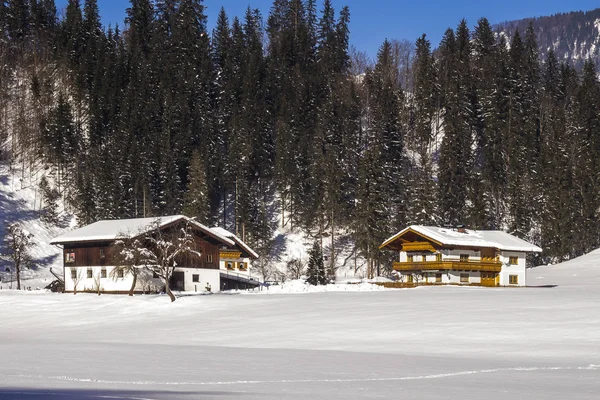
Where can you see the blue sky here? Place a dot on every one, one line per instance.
(374, 20)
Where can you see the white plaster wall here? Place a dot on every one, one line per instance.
(110, 284)
(508, 270)
(89, 284)
(211, 276)
(450, 277)
(454, 255)
(224, 261)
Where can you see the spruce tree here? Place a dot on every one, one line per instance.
(195, 200)
(315, 271)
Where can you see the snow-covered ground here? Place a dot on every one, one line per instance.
(430, 342)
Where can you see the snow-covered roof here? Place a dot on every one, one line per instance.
(469, 238)
(237, 240)
(107, 230)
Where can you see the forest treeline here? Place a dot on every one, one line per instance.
(276, 115)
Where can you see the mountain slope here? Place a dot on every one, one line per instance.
(20, 202)
(573, 36)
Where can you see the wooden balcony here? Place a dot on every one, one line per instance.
(485, 266)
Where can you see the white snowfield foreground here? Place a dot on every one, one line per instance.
(425, 343)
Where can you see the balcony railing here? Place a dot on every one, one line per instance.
(487, 266)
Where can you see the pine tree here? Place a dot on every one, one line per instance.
(315, 272)
(455, 151)
(50, 208)
(195, 201)
(421, 185)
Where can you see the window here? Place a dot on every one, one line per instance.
(513, 279)
(438, 278)
(103, 273)
(120, 273)
(464, 278)
(230, 265)
(242, 266)
(438, 257)
(409, 279)
(102, 255)
(73, 273)
(409, 258)
(195, 278)
(513, 260)
(464, 258)
(209, 258)
(89, 273)
(69, 258)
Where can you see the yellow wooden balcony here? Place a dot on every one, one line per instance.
(487, 266)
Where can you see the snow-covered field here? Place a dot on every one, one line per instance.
(435, 342)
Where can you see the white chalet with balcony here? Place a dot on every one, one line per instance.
(434, 255)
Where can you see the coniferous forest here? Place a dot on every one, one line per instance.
(274, 120)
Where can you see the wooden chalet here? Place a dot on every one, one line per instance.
(435, 255)
(88, 262)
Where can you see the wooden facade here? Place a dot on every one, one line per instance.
(458, 256)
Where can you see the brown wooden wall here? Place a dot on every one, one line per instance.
(89, 254)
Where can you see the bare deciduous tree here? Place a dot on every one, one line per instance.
(295, 268)
(159, 250)
(19, 243)
(128, 258)
(76, 277)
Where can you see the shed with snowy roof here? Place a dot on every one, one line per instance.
(88, 260)
(436, 255)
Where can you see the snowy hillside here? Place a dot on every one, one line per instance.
(431, 342)
(20, 202)
(574, 37)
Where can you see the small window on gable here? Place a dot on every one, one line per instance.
(209, 258)
(102, 254)
(513, 279)
(70, 257)
(513, 260)
(120, 273)
(103, 273)
(89, 273)
(195, 278)
(464, 278)
(464, 258)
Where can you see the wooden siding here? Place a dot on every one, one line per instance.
(89, 255)
(448, 265)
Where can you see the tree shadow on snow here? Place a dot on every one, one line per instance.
(86, 394)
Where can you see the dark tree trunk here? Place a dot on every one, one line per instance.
(133, 283)
(168, 290)
(18, 273)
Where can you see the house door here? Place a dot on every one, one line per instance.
(177, 281)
